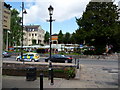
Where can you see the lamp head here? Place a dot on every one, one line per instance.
(50, 9)
(24, 12)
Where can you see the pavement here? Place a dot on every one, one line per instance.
(93, 76)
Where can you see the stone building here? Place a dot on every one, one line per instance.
(33, 35)
(1, 41)
(54, 39)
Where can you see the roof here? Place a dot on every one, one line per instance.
(55, 35)
(32, 26)
(30, 53)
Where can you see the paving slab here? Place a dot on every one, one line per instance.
(92, 76)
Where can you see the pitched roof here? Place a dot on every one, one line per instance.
(32, 26)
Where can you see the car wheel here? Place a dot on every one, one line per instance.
(18, 59)
(32, 60)
(46, 60)
(66, 61)
(3, 56)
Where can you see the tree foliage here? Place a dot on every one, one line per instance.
(46, 37)
(73, 38)
(97, 24)
(16, 29)
(60, 37)
(66, 38)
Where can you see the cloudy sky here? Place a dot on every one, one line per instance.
(64, 13)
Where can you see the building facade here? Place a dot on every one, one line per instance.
(54, 39)
(6, 16)
(33, 35)
(1, 41)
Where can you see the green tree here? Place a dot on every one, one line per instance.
(73, 38)
(46, 37)
(66, 38)
(33, 42)
(15, 30)
(97, 24)
(15, 34)
(116, 38)
(60, 37)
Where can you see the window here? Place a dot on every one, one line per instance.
(35, 34)
(30, 55)
(29, 34)
(32, 34)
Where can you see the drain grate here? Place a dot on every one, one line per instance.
(111, 83)
(113, 70)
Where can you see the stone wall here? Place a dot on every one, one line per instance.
(20, 69)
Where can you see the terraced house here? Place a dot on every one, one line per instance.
(33, 35)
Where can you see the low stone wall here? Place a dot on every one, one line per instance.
(19, 69)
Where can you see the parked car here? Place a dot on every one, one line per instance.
(59, 58)
(6, 54)
(29, 57)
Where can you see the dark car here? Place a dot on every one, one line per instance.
(6, 54)
(59, 58)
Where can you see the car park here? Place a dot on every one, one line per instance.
(6, 54)
(29, 57)
(59, 58)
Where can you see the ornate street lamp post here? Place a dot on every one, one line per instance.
(23, 12)
(50, 9)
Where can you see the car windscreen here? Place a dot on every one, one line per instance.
(24, 54)
(58, 56)
(4, 52)
(62, 55)
(30, 54)
(37, 54)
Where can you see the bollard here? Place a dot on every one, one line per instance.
(50, 64)
(77, 63)
(49, 70)
(49, 73)
(52, 75)
(41, 81)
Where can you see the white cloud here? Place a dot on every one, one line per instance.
(116, 2)
(63, 10)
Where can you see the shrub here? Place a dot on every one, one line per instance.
(89, 52)
(70, 72)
